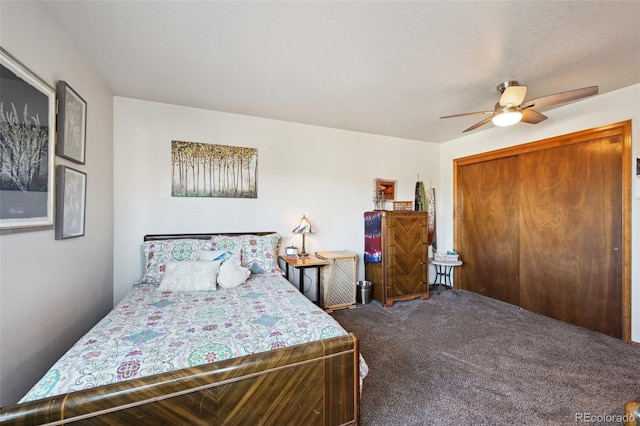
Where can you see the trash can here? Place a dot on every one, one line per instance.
(365, 289)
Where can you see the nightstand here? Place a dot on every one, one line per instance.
(302, 263)
(444, 268)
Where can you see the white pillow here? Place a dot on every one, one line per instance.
(190, 275)
(158, 253)
(232, 274)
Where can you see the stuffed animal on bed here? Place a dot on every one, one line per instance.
(232, 273)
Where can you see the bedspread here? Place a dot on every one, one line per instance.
(153, 331)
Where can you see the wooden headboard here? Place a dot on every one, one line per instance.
(158, 237)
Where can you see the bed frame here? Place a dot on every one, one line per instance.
(316, 383)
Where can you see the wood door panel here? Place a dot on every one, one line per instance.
(573, 246)
(489, 228)
(571, 234)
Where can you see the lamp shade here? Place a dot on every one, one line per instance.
(506, 116)
(304, 227)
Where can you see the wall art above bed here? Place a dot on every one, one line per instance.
(208, 170)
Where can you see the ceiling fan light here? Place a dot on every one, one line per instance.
(506, 116)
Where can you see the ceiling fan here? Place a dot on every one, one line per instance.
(512, 108)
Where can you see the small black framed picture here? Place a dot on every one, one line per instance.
(71, 194)
(71, 124)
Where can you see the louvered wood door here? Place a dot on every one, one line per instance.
(406, 257)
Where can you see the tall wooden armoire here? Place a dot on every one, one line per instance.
(397, 255)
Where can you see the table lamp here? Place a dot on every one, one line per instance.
(304, 227)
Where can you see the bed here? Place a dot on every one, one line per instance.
(255, 352)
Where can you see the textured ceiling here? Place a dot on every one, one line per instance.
(388, 67)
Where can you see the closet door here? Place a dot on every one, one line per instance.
(489, 228)
(571, 234)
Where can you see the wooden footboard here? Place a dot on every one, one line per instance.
(312, 384)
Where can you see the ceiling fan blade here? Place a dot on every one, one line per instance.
(478, 124)
(532, 117)
(560, 98)
(513, 95)
(467, 114)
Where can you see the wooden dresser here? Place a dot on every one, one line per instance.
(397, 255)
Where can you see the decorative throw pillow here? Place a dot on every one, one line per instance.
(218, 255)
(232, 274)
(189, 275)
(158, 253)
(259, 252)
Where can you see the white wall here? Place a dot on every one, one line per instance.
(592, 112)
(324, 173)
(52, 292)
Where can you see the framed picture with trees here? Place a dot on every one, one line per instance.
(209, 170)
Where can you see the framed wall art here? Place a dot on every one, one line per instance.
(387, 188)
(71, 124)
(71, 191)
(208, 170)
(27, 134)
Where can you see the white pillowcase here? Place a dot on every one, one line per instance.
(190, 275)
(232, 273)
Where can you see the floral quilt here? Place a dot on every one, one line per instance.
(153, 331)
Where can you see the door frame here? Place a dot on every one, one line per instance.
(622, 129)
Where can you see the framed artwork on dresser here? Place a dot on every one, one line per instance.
(387, 188)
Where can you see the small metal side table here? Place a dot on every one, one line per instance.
(443, 272)
(302, 263)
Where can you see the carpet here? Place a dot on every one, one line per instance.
(468, 359)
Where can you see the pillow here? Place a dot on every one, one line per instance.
(217, 255)
(259, 253)
(232, 273)
(189, 275)
(158, 253)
